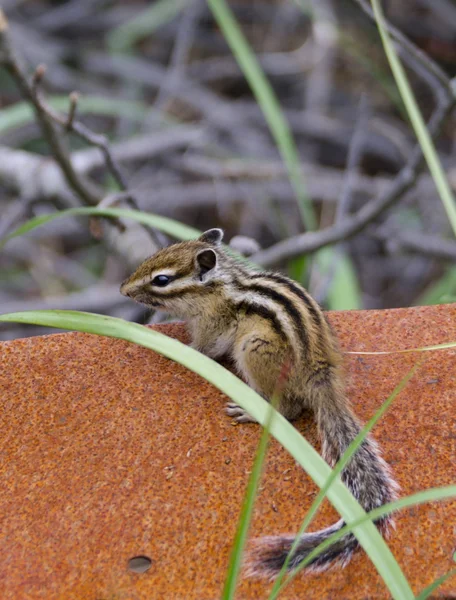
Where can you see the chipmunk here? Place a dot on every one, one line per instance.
(262, 320)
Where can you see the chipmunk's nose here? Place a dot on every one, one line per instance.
(126, 289)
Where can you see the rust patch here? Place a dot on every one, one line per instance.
(111, 452)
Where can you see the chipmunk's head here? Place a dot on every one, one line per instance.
(175, 279)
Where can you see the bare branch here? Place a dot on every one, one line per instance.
(142, 147)
(344, 204)
(74, 98)
(355, 151)
(34, 176)
(429, 245)
(37, 77)
(96, 139)
(80, 185)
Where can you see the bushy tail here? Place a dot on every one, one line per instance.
(366, 475)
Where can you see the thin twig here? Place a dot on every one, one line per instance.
(74, 99)
(37, 77)
(79, 184)
(86, 134)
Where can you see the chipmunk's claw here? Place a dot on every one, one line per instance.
(238, 413)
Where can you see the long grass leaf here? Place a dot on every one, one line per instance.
(435, 584)
(287, 435)
(251, 493)
(439, 291)
(245, 517)
(345, 291)
(416, 118)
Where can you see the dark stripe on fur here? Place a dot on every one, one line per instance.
(295, 289)
(290, 308)
(265, 313)
(268, 557)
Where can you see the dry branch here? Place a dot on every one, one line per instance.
(29, 91)
(419, 242)
(50, 119)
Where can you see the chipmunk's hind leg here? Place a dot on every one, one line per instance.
(259, 354)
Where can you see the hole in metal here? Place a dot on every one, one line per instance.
(139, 564)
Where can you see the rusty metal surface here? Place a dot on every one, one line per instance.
(110, 451)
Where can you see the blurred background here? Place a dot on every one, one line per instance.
(160, 82)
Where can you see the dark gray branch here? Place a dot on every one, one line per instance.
(427, 244)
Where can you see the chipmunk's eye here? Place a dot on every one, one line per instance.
(161, 280)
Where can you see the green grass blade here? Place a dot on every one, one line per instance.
(440, 291)
(344, 292)
(432, 495)
(435, 584)
(445, 346)
(268, 103)
(366, 532)
(297, 268)
(352, 448)
(251, 493)
(272, 112)
(246, 516)
(427, 146)
(169, 226)
(122, 38)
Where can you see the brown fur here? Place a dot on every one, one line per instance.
(261, 321)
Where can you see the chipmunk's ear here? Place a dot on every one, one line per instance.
(212, 236)
(205, 261)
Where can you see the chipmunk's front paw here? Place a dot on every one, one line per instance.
(238, 413)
